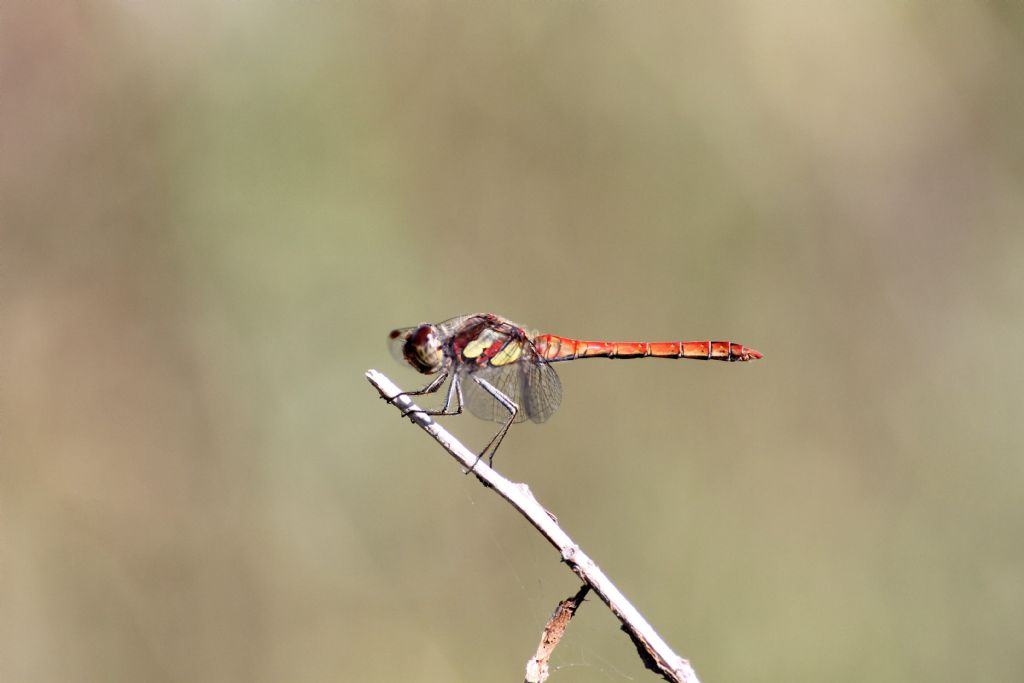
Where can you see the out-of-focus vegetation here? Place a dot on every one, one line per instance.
(214, 212)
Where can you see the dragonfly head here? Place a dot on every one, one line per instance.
(420, 347)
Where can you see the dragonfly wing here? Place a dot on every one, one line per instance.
(545, 394)
(507, 379)
(396, 343)
(534, 387)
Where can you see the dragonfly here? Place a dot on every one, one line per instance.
(504, 374)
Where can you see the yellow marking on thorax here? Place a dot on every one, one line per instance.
(480, 344)
(509, 354)
(475, 348)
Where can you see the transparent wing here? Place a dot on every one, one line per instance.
(531, 383)
(396, 343)
(545, 393)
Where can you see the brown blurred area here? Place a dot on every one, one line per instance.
(212, 214)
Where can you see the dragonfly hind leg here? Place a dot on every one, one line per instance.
(513, 410)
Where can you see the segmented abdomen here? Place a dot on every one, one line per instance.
(554, 349)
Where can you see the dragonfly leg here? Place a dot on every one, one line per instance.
(455, 390)
(429, 389)
(434, 385)
(513, 410)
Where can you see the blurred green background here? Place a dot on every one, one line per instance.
(213, 213)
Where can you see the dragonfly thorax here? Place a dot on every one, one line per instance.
(423, 349)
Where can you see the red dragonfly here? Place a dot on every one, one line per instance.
(510, 369)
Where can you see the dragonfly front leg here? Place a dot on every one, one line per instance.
(429, 389)
(454, 391)
(513, 410)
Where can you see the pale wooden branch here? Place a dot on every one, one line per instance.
(537, 667)
(654, 651)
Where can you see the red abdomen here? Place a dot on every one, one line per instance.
(554, 349)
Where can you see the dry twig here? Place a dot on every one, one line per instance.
(537, 667)
(654, 651)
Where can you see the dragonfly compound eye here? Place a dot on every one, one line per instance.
(423, 350)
